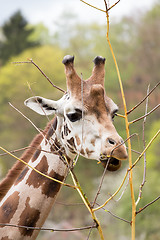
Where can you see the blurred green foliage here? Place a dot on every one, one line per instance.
(15, 37)
(136, 45)
(20, 81)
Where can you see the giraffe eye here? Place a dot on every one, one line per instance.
(114, 114)
(77, 115)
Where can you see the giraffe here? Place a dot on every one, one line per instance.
(83, 124)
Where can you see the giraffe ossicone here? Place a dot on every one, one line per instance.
(83, 125)
(98, 137)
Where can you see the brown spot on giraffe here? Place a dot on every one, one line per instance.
(78, 140)
(82, 152)
(71, 142)
(96, 102)
(66, 130)
(62, 134)
(21, 176)
(8, 208)
(18, 167)
(56, 148)
(50, 187)
(71, 149)
(6, 238)
(95, 108)
(89, 152)
(52, 129)
(35, 179)
(29, 218)
(36, 154)
(93, 142)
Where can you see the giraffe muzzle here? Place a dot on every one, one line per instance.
(113, 164)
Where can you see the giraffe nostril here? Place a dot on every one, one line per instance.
(111, 141)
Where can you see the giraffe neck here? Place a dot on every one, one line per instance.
(29, 200)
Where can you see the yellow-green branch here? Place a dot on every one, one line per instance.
(103, 205)
(44, 175)
(86, 202)
(127, 128)
(149, 144)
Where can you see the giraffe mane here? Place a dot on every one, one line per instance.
(16, 169)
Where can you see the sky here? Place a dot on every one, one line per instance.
(49, 11)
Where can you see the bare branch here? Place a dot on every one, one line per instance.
(104, 172)
(113, 5)
(134, 134)
(44, 175)
(99, 8)
(147, 205)
(41, 132)
(22, 149)
(123, 190)
(144, 145)
(136, 120)
(134, 151)
(144, 98)
(49, 229)
(14, 151)
(27, 119)
(149, 144)
(93, 6)
(115, 216)
(100, 185)
(31, 61)
(117, 191)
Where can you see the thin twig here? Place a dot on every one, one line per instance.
(128, 134)
(144, 146)
(136, 120)
(17, 150)
(35, 127)
(31, 61)
(44, 175)
(143, 98)
(119, 115)
(100, 184)
(104, 172)
(69, 204)
(58, 149)
(82, 204)
(147, 205)
(115, 216)
(123, 190)
(93, 6)
(113, 5)
(25, 148)
(99, 9)
(82, 92)
(134, 134)
(134, 151)
(86, 202)
(27, 120)
(33, 94)
(117, 191)
(149, 144)
(49, 229)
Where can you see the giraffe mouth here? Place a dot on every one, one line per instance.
(113, 164)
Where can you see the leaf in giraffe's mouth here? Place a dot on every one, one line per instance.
(113, 165)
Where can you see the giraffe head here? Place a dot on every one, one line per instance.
(85, 116)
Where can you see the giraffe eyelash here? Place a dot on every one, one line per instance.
(77, 115)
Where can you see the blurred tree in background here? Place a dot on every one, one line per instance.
(15, 37)
(135, 41)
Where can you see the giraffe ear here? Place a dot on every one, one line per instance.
(42, 105)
